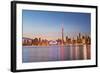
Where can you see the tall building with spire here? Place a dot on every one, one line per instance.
(62, 34)
(62, 43)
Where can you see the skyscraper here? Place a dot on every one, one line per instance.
(62, 34)
(62, 43)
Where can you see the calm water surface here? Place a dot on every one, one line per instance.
(55, 53)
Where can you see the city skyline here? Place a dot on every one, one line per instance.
(80, 40)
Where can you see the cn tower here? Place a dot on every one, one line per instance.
(62, 35)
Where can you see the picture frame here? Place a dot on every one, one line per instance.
(42, 32)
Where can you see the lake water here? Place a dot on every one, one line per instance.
(55, 53)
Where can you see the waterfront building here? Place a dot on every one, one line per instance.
(62, 34)
(26, 41)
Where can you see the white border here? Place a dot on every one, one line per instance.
(21, 65)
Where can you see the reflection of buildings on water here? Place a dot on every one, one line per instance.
(60, 41)
(56, 53)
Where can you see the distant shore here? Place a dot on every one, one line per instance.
(54, 45)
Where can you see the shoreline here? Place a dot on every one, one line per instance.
(55, 45)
